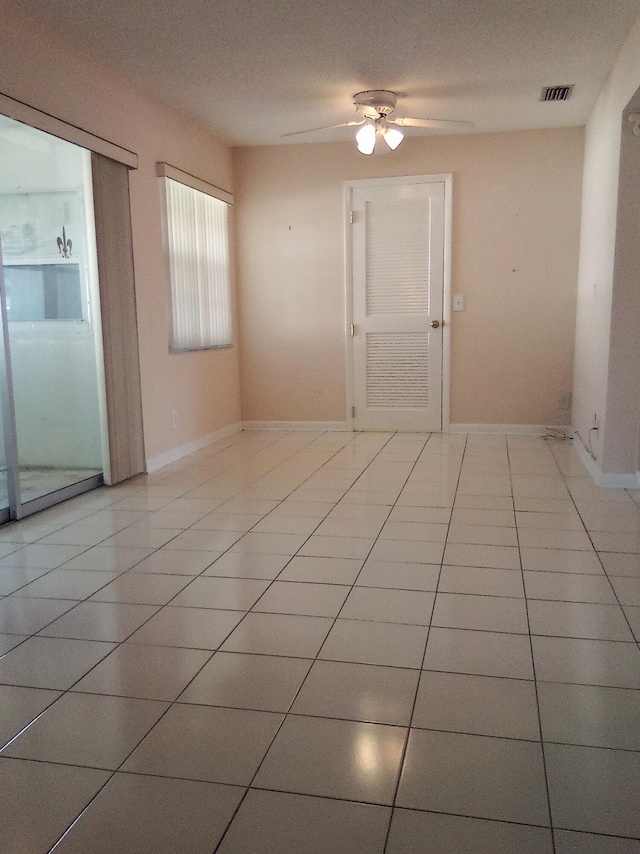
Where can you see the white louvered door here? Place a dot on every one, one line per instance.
(398, 281)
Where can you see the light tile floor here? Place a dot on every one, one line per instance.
(326, 642)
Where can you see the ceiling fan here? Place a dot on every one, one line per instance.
(376, 106)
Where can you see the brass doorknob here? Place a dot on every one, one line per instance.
(435, 323)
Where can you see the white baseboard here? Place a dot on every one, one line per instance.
(611, 480)
(509, 429)
(339, 426)
(158, 462)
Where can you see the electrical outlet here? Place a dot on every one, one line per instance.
(596, 425)
(174, 418)
(564, 400)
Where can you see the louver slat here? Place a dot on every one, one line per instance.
(397, 371)
(397, 267)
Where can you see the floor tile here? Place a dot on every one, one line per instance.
(30, 663)
(247, 566)
(27, 616)
(633, 616)
(590, 715)
(407, 552)
(101, 621)
(627, 590)
(490, 613)
(391, 606)
(8, 642)
(483, 502)
(480, 653)
(198, 628)
(292, 597)
(89, 730)
(203, 541)
(205, 743)
(569, 520)
(570, 540)
(418, 531)
(68, 584)
(498, 557)
(141, 588)
(433, 515)
(570, 842)
(325, 570)
(76, 535)
(147, 672)
(621, 564)
(243, 681)
(61, 793)
(587, 662)
(41, 557)
(13, 578)
(400, 576)
(142, 538)
(236, 594)
(279, 634)
(152, 815)
(568, 587)
(175, 562)
(605, 541)
(363, 642)
(315, 756)
(414, 832)
(578, 620)
(594, 790)
(473, 775)
(344, 547)
(19, 706)
(558, 560)
(227, 522)
(484, 581)
(500, 707)
(276, 544)
(337, 527)
(108, 558)
(358, 692)
(275, 822)
(482, 535)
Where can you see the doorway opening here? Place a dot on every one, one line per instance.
(51, 367)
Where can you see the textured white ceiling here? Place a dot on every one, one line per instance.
(255, 69)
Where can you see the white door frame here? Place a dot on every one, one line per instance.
(349, 187)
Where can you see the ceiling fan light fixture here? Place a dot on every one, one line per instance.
(393, 137)
(366, 138)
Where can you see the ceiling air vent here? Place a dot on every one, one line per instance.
(556, 93)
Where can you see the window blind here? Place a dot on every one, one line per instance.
(198, 248)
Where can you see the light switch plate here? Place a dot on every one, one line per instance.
(458, 302)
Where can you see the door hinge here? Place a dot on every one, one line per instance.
(353, 412)
(353, 330)
(351, 217)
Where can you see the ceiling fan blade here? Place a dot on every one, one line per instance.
(445, 124)
(325, 127)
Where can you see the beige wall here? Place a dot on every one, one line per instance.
(43, 71)
(516, 208)
(605, 383)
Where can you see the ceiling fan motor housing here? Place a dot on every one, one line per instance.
(375, 103)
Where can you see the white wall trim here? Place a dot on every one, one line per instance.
(510, 429)
(611, 480)
(161, 460)
(340, 426)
